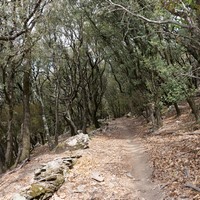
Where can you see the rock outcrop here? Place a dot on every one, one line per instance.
(50, 177)
(47, 180)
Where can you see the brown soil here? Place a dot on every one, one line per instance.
(117, 154)
(129, 159)
(175, 153)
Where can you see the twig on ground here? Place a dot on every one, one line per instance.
(189, 185)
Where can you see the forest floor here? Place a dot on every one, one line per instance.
(125, 162)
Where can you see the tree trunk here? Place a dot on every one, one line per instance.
(151, 111)
(84, 127)
(178, 111)
(57, 94)
(44, 119)
(155, 116)
(2, 159)
(95, 119)
(158, 117)
(71, 124)
(26, 144)
(85, 112)
(9, 147)
(193, 107)
(10, 99)
(46, 127)
(146, 114)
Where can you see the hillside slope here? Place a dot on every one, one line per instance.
(125, 161)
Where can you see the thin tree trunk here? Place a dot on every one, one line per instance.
(95, 120)
(46, 127)
(26, 144)
(178, 111)
(158, 117)
(71, 123)
(26, 136)
(44, 119)
(84, 127)
(151, 111)
(10, 99)
(57, 94)
(9, 147)
(2, 169)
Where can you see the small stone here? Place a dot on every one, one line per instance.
(62, 196)
(97, 176)
(80, 189)
(111, 185)
(18, 197)
(129, 175)
(57, 198)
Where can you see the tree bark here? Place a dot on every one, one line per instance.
(178, 111)
(10, 101)
(193, 107)
(9, 146)
(85, 112)
(158, 117)
(2, 160)
(57, 95)
(95, 119)
(26, 143)
(151, 111)
(71, 123)
(44, 119)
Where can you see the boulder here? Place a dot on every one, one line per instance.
(80, 141)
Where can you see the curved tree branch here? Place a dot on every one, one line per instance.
(12, 37)
(158, 22)
(26, 26)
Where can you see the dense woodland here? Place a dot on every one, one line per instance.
(66, 64)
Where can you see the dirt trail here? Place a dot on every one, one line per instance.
(116, 156)
(119, 157)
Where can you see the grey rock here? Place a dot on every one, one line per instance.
(97, 176)
(47, 180)
(18, 197)
(80, 141)
(44, 189)
(129, 175)
(80, 189)
(128, 115)
(79, 131)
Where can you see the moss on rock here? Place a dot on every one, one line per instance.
(36, 190)
(59, 181)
